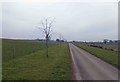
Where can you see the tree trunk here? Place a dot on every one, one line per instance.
(46, 47)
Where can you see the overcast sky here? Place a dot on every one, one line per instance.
(84, 21)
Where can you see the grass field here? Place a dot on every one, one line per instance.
(15, 48)
(106, 55)
(36, 66)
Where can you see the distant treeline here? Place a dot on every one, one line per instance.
(105, 41)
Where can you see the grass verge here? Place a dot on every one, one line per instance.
(36, 66)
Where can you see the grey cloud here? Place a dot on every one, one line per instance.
(75, 21)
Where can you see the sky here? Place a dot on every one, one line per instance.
(79, 20)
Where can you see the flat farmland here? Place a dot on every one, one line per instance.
(29, 61)
(111, 46)
(15, 48)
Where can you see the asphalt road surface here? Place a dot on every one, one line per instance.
(89, 67)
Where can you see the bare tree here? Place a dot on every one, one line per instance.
(105, 41)
(46, 27)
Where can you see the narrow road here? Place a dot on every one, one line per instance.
(89, 67)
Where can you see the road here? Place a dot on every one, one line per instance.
(89, 67)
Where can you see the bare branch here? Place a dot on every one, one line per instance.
(46, 26)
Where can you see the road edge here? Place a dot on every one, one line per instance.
(75, 72)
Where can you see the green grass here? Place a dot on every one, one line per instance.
(106, 55)
(36, 66)
(0, 59)
(12, 49)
